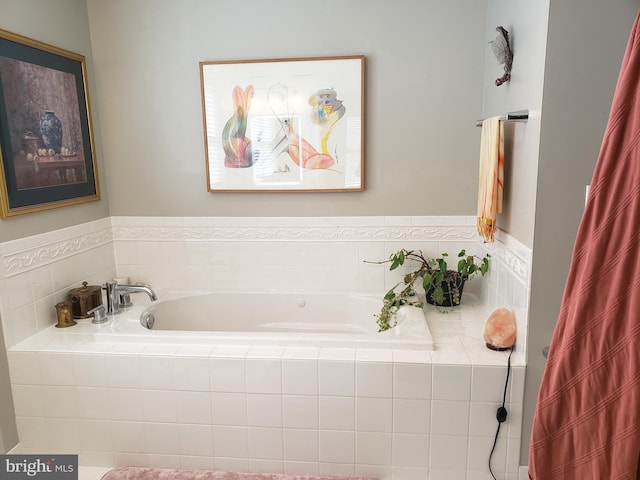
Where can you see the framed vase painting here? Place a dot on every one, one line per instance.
(46, 139)
(279, 125)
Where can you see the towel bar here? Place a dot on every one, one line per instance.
(519, 116)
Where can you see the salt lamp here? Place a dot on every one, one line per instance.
(500, 330)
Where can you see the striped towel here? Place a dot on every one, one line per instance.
(587, 419)
(491, 176)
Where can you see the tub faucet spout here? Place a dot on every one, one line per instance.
(115, 291)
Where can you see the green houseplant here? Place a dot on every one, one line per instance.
(442, 285)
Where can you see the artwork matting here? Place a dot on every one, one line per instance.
(284, 125)
(47, 155)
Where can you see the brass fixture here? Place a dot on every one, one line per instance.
(65, 315)
(84, 299)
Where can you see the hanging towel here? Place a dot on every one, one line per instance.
(587, 419)
(491, 176)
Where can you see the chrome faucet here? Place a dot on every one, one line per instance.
(116, 292)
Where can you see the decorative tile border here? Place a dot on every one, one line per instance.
(17, 260)
(295, 233)
(26, 254)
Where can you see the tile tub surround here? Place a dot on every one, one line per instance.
(389, 414)
(98, 406)
(315, 254)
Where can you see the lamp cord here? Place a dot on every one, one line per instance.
(501, 414)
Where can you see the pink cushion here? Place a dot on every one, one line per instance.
(144, 473)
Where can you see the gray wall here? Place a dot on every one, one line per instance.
(424, 63)
(62, 23)
(526, 21)
(585, 44)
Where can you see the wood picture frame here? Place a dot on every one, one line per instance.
(47, 155)
(284, 125)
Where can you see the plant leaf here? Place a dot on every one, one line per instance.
(462, 253)
(395, 264)
(462, 267)
(438, 295)
(442, 264)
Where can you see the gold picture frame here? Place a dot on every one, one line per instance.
(284, 125)
(47, 155)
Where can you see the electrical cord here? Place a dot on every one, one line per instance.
(501, 414)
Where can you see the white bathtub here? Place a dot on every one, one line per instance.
(323, 320)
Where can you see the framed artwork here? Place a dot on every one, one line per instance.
(284, 125)
(46, 139)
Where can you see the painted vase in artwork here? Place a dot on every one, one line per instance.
(51, 130)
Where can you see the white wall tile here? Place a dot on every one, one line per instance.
(265, 443)
(95, 434)
(194, 407)
(411, 380)
(192, 373)
(223, 464)
(374, 414)
(410, 473)
(23, 322)
(156, 372)
(163, 460)
(292, 467)
(159, 406)
(337, 469)
(300, 445)
(60, 401)
(411, 415)
(162, 438)
(373, 448)
(230, 441)
(300, 411)
(337, 413)
(265, 466)
(410, 450)
(90, 370)
(448, 452)
(227, 375)
(28, 400)
(125, 404)
(336, 378)
(482, 418)
(263, 375)
(374, 379)
(229, 408)
(19, 291)
(336, 447)
(264, 410)
(32, 432)
(197, 463)
(451, 382)
(62, 433)
(196, 440)
(449, 417)
(123, 371)
(300, 377)
(488, 383)
(24, 368)
(128, 437)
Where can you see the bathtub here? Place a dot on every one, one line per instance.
(322, 320)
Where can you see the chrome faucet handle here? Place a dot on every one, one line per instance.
(99, 314)
(113, 297)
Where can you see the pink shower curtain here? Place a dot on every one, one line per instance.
(587, 419)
